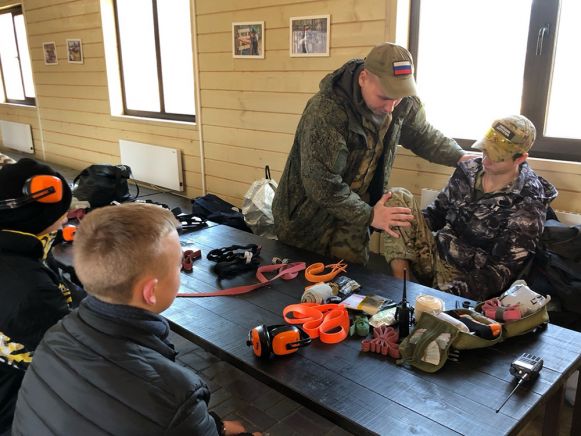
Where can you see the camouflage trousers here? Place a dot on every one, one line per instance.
(345, 242)
(417, 244)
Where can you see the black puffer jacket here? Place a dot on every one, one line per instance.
(31, 301)
(108, 369)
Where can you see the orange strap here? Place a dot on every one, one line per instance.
(317, 268)
(329, 322)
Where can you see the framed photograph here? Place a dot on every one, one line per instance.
(248, 40)
(49, 50)
(309, 36)
(74, 51)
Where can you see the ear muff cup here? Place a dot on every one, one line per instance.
(277, 339)
(259, 339)
(44, 189)
(281, 337)
(41, 188)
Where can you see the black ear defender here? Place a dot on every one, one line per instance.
(277, 340)
(42, 188)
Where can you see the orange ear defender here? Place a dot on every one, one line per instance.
(41, 188)
(69, 233)
(277, 340)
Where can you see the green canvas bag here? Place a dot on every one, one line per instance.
(419, 348)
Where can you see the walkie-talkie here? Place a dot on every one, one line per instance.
(526, 367)
(404, 312)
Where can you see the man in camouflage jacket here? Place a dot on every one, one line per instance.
(484, 225)
(332, 188)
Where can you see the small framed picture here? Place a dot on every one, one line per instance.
(74, 51)
(309, 36)
(49, 50)
(248, 40)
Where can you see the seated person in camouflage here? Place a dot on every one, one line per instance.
(332, 188)
(484, 225)
(32, 297)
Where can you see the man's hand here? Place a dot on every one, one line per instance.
(384, 217)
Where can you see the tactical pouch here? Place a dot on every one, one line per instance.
(419, 350)
(428, 345)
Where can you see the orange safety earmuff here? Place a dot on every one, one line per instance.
(42, 188)
(276, 339)
(69, 233)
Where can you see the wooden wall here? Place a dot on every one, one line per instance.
(248, 108)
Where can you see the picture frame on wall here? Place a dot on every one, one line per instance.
(309, 36)
(74, 51)
(248, 39)
(49, 53)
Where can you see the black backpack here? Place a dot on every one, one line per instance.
(213, 208)
(556, 266)
(100, 184)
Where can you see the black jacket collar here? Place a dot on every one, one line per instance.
(138, 325)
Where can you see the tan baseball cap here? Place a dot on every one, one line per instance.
(394, 67)
(508, 136)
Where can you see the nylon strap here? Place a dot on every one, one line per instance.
(285, 272)
(317, 268)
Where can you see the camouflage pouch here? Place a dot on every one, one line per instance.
(427, 347)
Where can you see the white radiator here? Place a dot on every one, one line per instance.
(17, 136)
(160, 166)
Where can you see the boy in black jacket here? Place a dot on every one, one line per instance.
(34, 200)
(108, 367)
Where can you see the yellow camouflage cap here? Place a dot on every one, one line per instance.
(508, 136)
(394, 67)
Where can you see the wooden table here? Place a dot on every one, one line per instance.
(368, 393)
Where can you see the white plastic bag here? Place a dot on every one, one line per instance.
(257, 206)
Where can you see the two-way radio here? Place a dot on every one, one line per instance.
(404, 312)
(526, 367)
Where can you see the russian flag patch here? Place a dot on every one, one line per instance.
(402, 68)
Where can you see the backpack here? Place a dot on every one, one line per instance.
(100, 184)
(213, 208)
(556, 267)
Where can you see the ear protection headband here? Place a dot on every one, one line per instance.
(41, 188)
(276, 339)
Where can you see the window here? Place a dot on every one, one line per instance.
(480, 60)
(156, 58)
(15, 70)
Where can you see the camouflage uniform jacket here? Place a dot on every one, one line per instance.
(489, 239)
(330, 178)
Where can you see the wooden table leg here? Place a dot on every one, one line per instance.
(576, 424)
(553, 412)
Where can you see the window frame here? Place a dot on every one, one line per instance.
(537, 79)
(27, 101)
(162, 114)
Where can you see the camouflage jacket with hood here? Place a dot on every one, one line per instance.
(342, 157)
(488, 239)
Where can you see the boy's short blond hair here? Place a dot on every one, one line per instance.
(116, 245)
